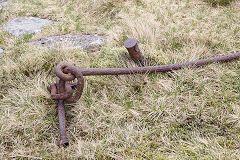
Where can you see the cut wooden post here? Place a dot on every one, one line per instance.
(134, 51)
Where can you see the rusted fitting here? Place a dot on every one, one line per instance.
(134, 51)
(79, 84)
(62, 91)
(62, 95)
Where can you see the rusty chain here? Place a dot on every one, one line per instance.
(66, 73)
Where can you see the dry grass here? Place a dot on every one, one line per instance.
(187, 114)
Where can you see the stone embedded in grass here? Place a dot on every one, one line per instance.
(86, 42)
(26, 25)
(1, 51)
(2, 3)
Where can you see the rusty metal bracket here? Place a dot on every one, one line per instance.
(62, 89)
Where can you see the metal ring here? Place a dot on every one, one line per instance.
(61, 75)
(80, 84)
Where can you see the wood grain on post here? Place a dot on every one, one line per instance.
(134, 51)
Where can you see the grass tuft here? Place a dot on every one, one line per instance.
(215, 3)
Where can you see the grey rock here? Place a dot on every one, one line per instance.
(86, 42)
(1, 1)
(1, 51)
(2, 4)
(26, 25)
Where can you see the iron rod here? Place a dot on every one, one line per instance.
(159, 68)
(62, 120)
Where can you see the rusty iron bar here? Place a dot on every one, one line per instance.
(141, 70)
(61, 119)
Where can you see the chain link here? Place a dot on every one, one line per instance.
(67, 73)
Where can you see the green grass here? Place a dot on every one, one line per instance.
(191, 113)
(215, 3)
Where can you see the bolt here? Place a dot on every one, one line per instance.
(134, 51)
